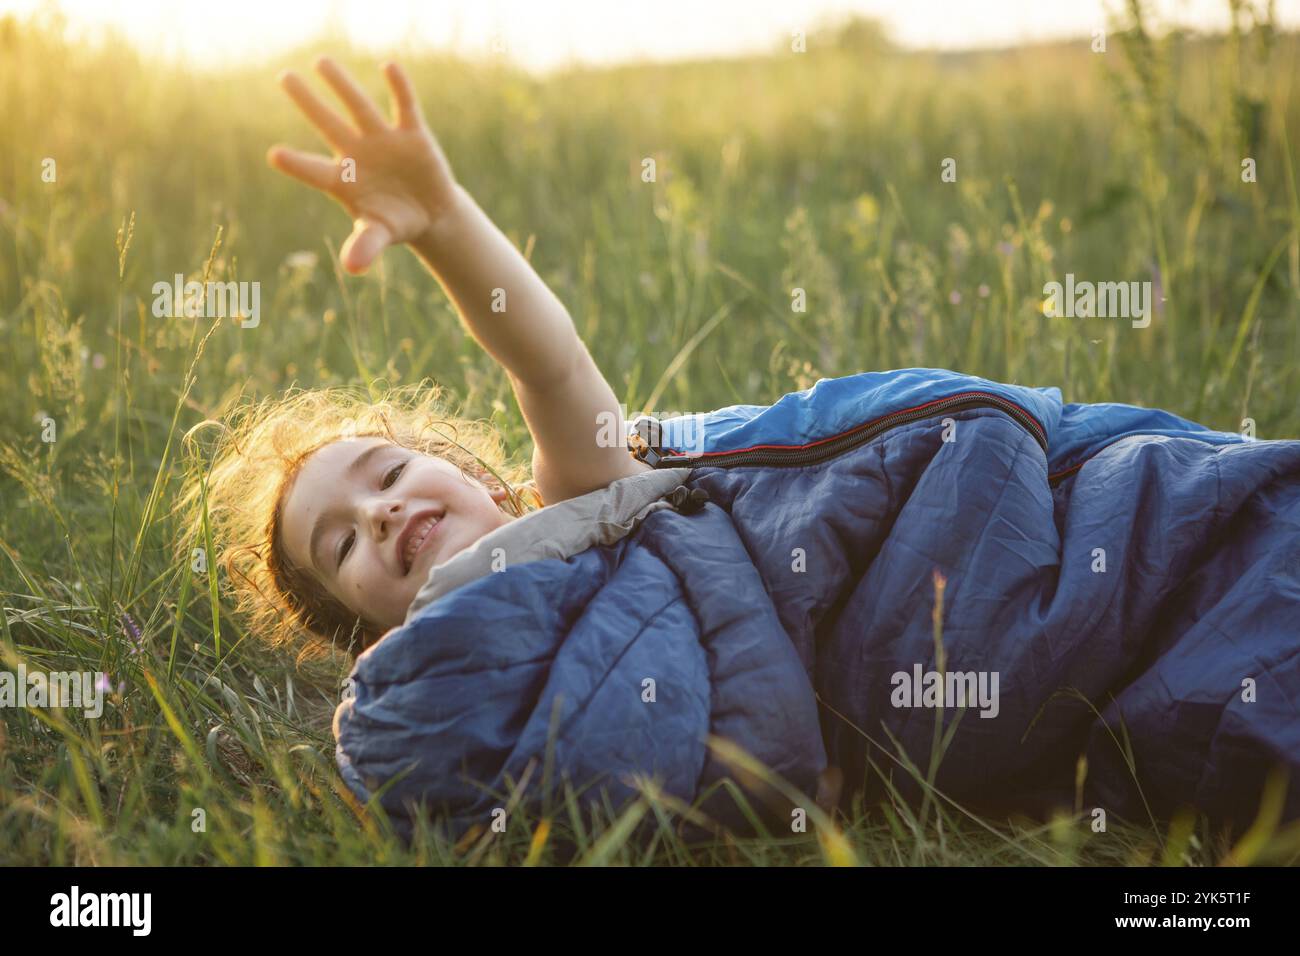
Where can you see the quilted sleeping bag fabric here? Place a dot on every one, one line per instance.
(855, 562)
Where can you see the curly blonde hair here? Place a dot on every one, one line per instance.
(261, 447)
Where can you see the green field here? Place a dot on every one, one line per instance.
(818, 170)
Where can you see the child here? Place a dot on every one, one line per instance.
(834, 570)
(335, 521)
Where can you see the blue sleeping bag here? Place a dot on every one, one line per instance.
(1112, 582)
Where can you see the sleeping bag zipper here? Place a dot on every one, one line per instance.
(643, 448)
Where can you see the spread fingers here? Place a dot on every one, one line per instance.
(405, 104)
(312, 168)
(363, 110)
(331, 126)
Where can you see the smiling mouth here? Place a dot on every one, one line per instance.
(423, 531)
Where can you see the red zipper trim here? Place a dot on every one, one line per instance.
(1042, 434)
(1061, 475)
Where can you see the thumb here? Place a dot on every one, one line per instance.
(363, 247)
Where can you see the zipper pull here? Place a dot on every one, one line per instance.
(643, 440)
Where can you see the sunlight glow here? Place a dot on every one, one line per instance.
(544, 36)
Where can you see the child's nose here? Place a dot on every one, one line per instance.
(386, 517)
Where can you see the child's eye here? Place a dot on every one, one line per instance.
(392, 473)
(389, 477)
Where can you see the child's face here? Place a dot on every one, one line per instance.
(358, 507)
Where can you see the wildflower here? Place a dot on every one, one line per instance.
(103, 684)
(97, 360)
(132, 630)
(954, 297)
(867, 209)
(303, 259)
(983, 290)
(1006, 248)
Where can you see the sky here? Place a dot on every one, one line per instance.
(546, 34)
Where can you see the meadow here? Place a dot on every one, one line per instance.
(819, 170)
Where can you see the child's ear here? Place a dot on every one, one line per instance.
(501, 497)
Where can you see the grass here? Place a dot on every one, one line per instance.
(818, 171)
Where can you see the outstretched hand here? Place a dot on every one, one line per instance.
(398, 183)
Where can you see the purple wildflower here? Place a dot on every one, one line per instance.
(133, 632)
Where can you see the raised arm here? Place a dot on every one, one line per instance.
(560, 390)
(399, 188)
